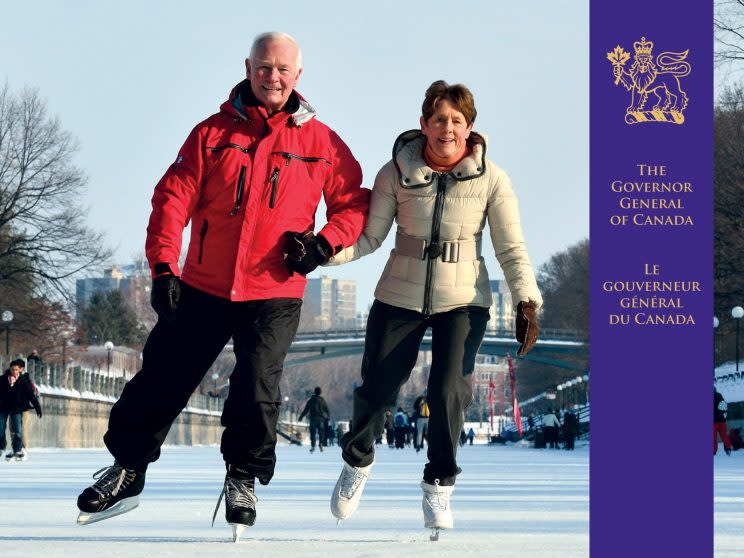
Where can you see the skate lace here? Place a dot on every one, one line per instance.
(237, 493)
(111, 480)
(350, 482)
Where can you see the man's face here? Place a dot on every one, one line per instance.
(16, 370)
(273, 73)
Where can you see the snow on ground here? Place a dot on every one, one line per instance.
(510, 501)
(728, 498)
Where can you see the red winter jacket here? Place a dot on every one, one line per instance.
(244, 178)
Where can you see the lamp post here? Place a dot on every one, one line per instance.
(7, 317)
(109, 346)
(560, 398)
(579, 379)
(716, 323)
(737, 312)
(215, 377)
(585, 383)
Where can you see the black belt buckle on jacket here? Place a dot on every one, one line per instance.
(434, 250)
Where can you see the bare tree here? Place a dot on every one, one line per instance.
(728, 183)
(564, 283)
(728, 25)
(44, 239)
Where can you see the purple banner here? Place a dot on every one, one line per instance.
(651, 278)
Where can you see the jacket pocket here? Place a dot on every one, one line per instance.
(202, 236)
(274, 182)
(288, 157)
(239, 192)
(219, 148)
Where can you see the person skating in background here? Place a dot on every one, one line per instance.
(17, 393)
(720, 413)
(551, 424)
(570, 429)
(317, 413)
(471, 436)
(421, 408)
(249, 179)
(389, 428)
(400, 423)
(440, 190)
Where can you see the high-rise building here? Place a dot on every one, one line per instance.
(85, 288)
(132, 280)
(502, 310)
(329, 304)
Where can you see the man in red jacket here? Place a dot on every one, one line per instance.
(249, 179)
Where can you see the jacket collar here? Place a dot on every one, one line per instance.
(413, 172)
(241, 96)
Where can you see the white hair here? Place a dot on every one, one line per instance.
(275, 36)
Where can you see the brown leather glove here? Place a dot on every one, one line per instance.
(303, 252)
(527, 328)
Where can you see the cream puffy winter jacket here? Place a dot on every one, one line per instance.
(437, 264)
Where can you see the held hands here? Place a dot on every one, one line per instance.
(166, 291)
(527, 328)
(303, 252)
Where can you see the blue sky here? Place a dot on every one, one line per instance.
(130, 80)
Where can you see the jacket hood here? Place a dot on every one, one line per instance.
(297, 107)
(413, 172)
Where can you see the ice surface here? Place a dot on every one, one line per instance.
(510, 501)
(728, 491)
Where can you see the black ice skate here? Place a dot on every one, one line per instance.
(240, 501)
(115, 491)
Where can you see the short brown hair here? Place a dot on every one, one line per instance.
(458, 95)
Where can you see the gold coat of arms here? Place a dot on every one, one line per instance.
(656, 93)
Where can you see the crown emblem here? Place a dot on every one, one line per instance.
(643, 46)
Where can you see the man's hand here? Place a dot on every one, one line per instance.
(38, 414)
(166, 291)
(527, 328)
(303, 252)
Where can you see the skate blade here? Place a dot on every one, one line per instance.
(238, 529)
(122, 506)
(434, 534)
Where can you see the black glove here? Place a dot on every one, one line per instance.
(526, 326)
(38, 414)
(303, 252)
(166, 291)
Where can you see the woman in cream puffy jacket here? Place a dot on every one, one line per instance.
(440, 189)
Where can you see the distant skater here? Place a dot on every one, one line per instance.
(317, 412)
(16, 394)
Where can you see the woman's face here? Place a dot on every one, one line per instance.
(446, 132)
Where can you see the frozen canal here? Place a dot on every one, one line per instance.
(728, 491)
(511, 502)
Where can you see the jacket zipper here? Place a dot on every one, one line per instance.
(435, 224)
(290, 156)
(274, 179)
(202, 235)
(229, 146)
(239, 192)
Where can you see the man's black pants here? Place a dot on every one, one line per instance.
(177, 356)
(391, 348)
